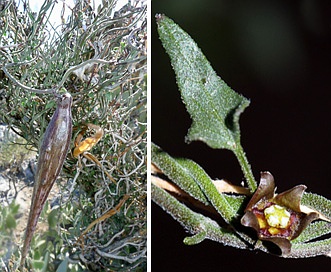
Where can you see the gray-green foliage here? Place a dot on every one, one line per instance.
(215, 109)
(99, 56)
(213, 106)
(214, 116)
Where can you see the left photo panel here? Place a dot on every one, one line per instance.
(73, 135)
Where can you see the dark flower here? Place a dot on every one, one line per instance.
(277, 218)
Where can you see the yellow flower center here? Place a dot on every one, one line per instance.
(277, 216)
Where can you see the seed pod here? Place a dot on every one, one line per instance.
(52, 153)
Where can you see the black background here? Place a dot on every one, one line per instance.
(277, 54)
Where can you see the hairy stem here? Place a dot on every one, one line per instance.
(245, 167)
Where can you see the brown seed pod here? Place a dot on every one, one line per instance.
(52, 154)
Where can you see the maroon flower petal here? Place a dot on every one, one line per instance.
(305, 221)
(249, 220)
(283, 244)
(266, 190)
(277, 218)
(291, 198)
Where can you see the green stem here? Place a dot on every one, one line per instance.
(245, 167)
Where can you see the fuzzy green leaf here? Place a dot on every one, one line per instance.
(318, 203)
(201, 226)
(213, 106)
(219, 201)
(191, 178)
(313, 231)
(312, 249)
(175, 172)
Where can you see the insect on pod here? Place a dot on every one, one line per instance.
(53, 151)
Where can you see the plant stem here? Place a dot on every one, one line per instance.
(245, 167)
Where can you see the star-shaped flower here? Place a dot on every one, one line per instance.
(277, 218)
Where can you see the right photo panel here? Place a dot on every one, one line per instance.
(240, 135)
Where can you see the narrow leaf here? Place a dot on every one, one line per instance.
(63, 267)
(177, 173)
(219, 201)
(201, 226)
(318, 203)
(191, 178)
(45, 261)
(313, 231)
(213, 106)
(312, 249)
